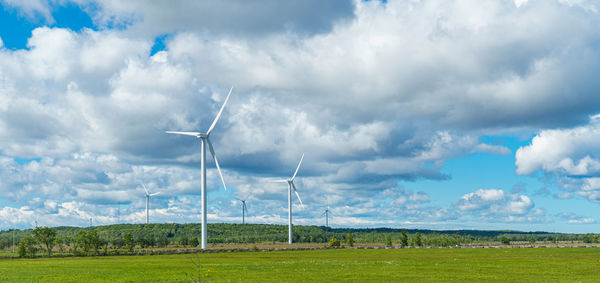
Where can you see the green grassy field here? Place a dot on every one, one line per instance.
(527, 264)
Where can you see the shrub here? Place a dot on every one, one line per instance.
(504, 240)
(334, 243)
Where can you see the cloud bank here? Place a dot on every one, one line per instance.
(372, 92)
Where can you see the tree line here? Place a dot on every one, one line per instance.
(110, 239)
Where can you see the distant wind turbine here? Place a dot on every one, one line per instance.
(244, 209)
(205, 139)
(290, 186)
(148, 195)
(326, 213)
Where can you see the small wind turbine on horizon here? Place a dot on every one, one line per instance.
(290, 187)
(148, 195)
(326, 214)
(205, 139)
(244, 209)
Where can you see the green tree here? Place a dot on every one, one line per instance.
(388, 240)
(83, 242)
(45, 236)
(61, 244)
(504, 240)
(129, 242)
(22, 250)
(349, 240)
(27, 246)
(94, 241)
(403, 238)
(163, 241)
(418, 239)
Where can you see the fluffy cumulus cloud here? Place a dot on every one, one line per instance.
(569, 155)
(496, 205)
(372, 92)
(570, 151)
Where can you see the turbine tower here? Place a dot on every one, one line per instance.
(205, 139)
(244, 209)
(290, 187)
(326, 213)
(148, 195)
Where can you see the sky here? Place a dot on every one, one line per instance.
(425, 114)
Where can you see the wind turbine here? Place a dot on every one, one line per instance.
(244, 209)
(148, 195)
(205, 139)
(326, 213)
(290, 186)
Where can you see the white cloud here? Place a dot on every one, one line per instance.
(573, 218)
(569, 155)
(519, 3)
(582, 221)
(32, 8)
(372, 94)
(568, 151)
(496, 205)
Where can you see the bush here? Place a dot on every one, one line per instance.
(334, 243)
(504, 240)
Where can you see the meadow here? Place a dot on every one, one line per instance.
(359, 265)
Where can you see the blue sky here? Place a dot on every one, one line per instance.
(422, 114)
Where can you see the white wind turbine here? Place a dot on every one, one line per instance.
(244, 209)
(290, 187)
(205, 138)
(148, 195)
(326, 214)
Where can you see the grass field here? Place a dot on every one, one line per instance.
(524, 264)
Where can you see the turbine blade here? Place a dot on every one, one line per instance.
(298, 168)
(154, 194)
(219, 114)
(212, 152)
(296, 191)
(195, 134)
(144, 186)
(278, 181)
